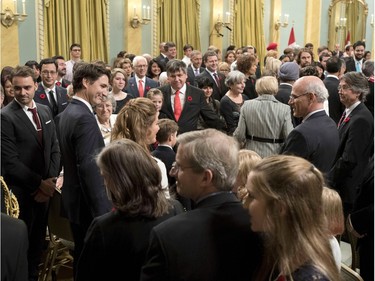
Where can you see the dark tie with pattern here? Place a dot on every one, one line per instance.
(341, 119)
(53, 103)
(37, 123)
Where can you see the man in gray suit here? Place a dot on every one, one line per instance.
(316, 139)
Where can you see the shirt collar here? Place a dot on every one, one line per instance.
(85, 102)
(182, 90)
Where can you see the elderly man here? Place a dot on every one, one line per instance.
(214, 241)
(139, 84)
(356, 131)
(316, 139)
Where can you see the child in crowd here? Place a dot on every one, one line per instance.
(166, 138)
(247, 159)
(156, 96)
(334, 215)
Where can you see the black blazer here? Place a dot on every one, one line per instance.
(316, 140)
(213, 242)
(195, 105)
(355, 149)
(25, 162)
(191, 75)
(336, 108)
(283, 94)
(83, 193)
(115, 246)
(218, 92)
(62, 98)
(132, 87)
(14, 245)
(168, 156)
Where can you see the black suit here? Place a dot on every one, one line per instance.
(355, 149)
(249, 90)
(283, 94)
(163, 60)
(213, 242)
(195, 106)
(62, 98)
(168, 156)
(218, 91)
(132, 87)
(83, 192)
(315, 139)
(351, 64)
(335, 106)
(64, 83)
(191, 75)
(25, 163)
(14, 245)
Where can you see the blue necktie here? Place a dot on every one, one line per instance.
(358, 66)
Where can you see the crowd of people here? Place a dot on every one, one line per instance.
(204, 168)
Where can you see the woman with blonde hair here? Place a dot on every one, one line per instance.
(285, 195)
(138, 121)
(334, 218)
(116, 243)
(247, 159)
(118, 82)
(264, 122)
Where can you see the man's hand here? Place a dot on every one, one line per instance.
(40, 197)
(47, 186)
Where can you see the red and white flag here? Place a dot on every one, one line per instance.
(347, 40)
(292, 39)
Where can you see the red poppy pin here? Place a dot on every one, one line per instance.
(346, 120)
(42, 96)
(189, 98)
(148, 88)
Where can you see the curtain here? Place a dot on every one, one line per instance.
(178, 21)
(248, 25)
(71, 21)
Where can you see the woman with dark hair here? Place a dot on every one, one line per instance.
(154, 69)
(6, 83)
(116, 243)
(207, 85)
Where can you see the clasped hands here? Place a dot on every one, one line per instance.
(45, 190)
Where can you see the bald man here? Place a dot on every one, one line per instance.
(316, 139)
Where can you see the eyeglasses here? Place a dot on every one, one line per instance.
(343, 87)
(294, 97)
(46, 72)
(175, 168)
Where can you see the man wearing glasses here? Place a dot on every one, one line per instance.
(356, 131)
(316, 139)
(75, 56)
(48, 93)
(139, 84)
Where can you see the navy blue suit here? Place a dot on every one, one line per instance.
(316, 140)
(218, 91)
(336, 108)
(132, 87)
(83, 192)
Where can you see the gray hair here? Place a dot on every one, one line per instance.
(315, 85)
(110, 98)
(137, 59)
(176, 65)
(368, 68)
(212, 150)
(357, 81)
(234, 77)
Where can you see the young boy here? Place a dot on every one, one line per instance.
(166, 138)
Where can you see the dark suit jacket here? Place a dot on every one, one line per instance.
(25, 162)
(191, 75)
(350, 64)
(132, 87)
(195, 105)
(116, 245)
(65, 83)
(218, 92)
(83, 193)
(283, 94)
(14, 245)
(249, 90)
(355, 149)
(316, 140)
(163, 60)
(62, 98)
(336, 108)
(213, 242)
(168, 156)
